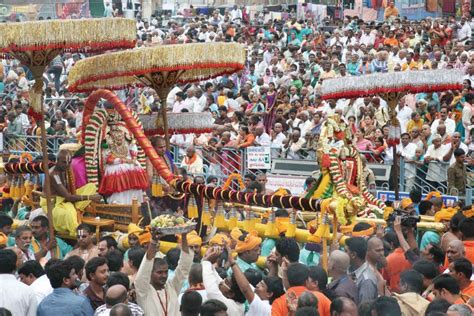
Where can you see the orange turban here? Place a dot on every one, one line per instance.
(406, 202)
(249, 242)
(133, 229)
(445, 214)
(281, 224)
(364, 233)
(144, 236)
(235, 233)
(468, 213)
(387, 211)
(219, 240)
(433, 194)
(194, 239)
(3, 240)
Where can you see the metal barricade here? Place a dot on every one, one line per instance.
(415, 177)
(18, 144)
(55, 104)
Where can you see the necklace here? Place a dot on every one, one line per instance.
(119, 151)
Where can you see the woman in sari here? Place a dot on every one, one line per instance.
(269, 117)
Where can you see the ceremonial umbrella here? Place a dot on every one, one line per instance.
(35, 44)
(159, 67)
(392, 87)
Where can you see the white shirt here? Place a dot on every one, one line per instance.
(464, 33)
(201, 104)
(25, 122)
(195, 168)
(278, 141)
(448, 148)
(437, 171)
(232, 104)
(191, 103)
(263, 140)
(236, 14)
(183, 141)
(171, 98)
(404, 115)
(79, 119)
(211, 284)
(367, 39)
(16, 296)
(450, 126)
(306, 127)
(259, 307)
(408, 152)
(42, 287)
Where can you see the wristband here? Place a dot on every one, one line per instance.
(232, 264)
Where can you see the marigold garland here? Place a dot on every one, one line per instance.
(193, 61)
(233, 176)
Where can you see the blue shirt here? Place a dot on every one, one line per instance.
(65, 302)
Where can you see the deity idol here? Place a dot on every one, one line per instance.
(123, 179)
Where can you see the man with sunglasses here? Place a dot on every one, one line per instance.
(66, 204)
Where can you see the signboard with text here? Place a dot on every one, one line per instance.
(293, 183)
(259, 158)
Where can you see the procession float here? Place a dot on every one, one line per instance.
(115, 141)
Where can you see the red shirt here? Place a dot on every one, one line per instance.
(396, 264)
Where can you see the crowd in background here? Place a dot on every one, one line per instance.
(275, 101)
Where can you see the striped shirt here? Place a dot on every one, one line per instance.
(103, 310)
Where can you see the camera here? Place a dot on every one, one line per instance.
(407, 220)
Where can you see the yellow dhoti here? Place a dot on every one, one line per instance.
(65, 213)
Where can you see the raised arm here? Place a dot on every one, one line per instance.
(240, 278)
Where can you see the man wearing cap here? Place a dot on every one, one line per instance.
(248, 247)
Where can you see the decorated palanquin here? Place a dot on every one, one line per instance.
(341, 181)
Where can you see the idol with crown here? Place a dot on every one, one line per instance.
(124, 178)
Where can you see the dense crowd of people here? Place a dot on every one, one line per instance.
(276, 102)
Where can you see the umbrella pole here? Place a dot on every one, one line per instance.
(163, 94)
(47, 184)
(38, 90)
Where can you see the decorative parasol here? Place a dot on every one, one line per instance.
(392, 87)
(36, 44)
(159, 67)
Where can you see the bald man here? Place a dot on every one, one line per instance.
(192, 162)
(121, 310)
(117, 295)
(455, 250)
(342, 285)
(66, 203)
(343, 306)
